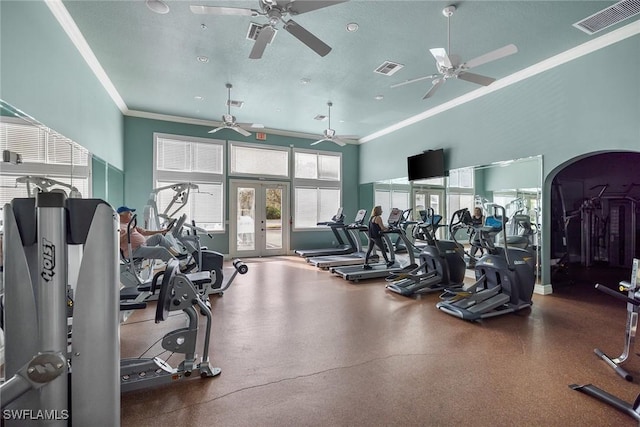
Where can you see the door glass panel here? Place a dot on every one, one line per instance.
(434, 202)
(246, 218)
(273, 213)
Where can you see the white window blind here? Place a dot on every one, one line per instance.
(204, 205)
(315, 205)
(389, 199)
(199, 161)
(317, 187)
(258, 161)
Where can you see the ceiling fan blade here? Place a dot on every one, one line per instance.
(304, 6)
(476, 78)
(240, 131)
(264, 38)
(299, 32)
(417, 79)
(251, 125)
(339, 141)
(216, 10)
(436, 84)
(507, 50)
(441, 57)
(216, 130)
(320, 140)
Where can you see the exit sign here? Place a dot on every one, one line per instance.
(261, 136)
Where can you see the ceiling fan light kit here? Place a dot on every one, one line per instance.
(330, 134)
(157, 6)
(450, 66)
(229, 120)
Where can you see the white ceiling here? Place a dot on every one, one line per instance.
(152, 59)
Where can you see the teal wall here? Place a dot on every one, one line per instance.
(99, 181)
(115, 186)
(107, 182)
(44, 75)
(521, 174)
(138, 166)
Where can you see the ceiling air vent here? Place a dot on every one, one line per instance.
(320, 117)
(233, 103)
(254, 30)
(388, 68)
(610, 16)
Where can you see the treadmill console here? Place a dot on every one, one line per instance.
(394, 217)
(358, 222)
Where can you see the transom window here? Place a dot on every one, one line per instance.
(258, 160)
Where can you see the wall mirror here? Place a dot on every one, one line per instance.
(515, 185)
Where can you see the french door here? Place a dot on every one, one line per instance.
(259, 218)
(430, 198)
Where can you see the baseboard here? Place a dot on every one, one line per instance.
(543, 289)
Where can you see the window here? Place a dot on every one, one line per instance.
(258, 160)
(44, 154)
(392, 194)
(317, 187)
(198, 161)
(460, 190)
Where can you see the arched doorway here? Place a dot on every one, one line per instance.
(595, 218)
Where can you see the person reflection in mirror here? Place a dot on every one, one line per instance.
(376, 228)
(477, 221)
(146, 244)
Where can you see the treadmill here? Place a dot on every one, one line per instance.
(355, 273)
(355, 258)
(337, 225)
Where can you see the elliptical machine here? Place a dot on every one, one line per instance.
(441, 261)
(505, 278)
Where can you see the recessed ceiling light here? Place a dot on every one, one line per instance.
(352, 27)
(203, 59)
(158, 6)
(305, 81)
(198, 98)
(379, 97)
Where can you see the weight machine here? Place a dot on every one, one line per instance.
(62, 344)
(42, 184)
(155, 220)
(633, 308)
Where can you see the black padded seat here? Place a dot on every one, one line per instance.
(199, 278)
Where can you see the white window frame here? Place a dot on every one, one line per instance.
(234, 144)
(317, 184)
(193, 177)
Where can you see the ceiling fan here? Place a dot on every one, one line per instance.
(450, 66)
(229, 121)
(276, 11)
(330, 134)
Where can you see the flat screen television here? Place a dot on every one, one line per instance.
(429, 164)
